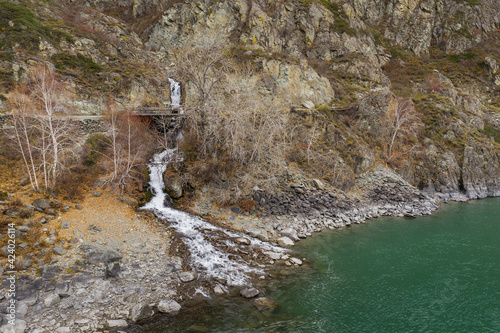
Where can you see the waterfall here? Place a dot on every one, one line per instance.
(175, 93)
(196, 233)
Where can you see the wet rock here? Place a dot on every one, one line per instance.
(169, 306)
(173, 185)
(256, 232)
(249, 292)
(119, 323)
(141, 311)
(273, 255)
(242, 241)
(218, 290)
(295, 261)
(290, 233)
(187, 276)
(265, 304)
(285, 242)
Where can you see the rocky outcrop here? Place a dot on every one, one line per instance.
(298, 82)
(481, 172)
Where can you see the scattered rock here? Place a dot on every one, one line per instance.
(111, 256)
(249, 292)
(41, 204)
(265, 304)
(63, 289)
(256, 232)
(318, 184)
(51, 299)
(59, 250)
(21, 309)
(51, 212)
(308, 104)
(218, 290)
(63, 330)
(23, 264)
(23, 181)
(26, 212)
(273, 255)
(187, 276)
(169, 306)
(78, 207)
(242, 241)
(119, 323)
(296, 261)
(285, 242)
(82, 281)
(113, 269)
(65, 225)
(290, 233)
(96, 194)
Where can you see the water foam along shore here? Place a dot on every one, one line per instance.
(205, 255)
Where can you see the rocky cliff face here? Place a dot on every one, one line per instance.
(442, 54)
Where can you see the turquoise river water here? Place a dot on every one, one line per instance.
(438, 273)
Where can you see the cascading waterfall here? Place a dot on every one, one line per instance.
(175, 92)
(206, 258)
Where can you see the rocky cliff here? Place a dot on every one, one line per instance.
(440, 54)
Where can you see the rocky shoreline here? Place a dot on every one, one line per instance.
(95, 287)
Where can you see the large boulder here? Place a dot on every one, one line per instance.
(249, 292)
(41, 204)
(141, 311)
(265, 304)
(173, 185)
(169, 306)
(285, 242)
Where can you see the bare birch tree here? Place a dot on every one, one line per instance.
(403, 121)
(41, 129)
(129, 144)
(22, 133)
(53, 121)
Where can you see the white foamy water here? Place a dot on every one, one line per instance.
(175, 92)
(206, 258)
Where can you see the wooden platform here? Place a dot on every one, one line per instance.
(158, 111)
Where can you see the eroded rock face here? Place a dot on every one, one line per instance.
(415, 24)
(481, 172)
(301, 83)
